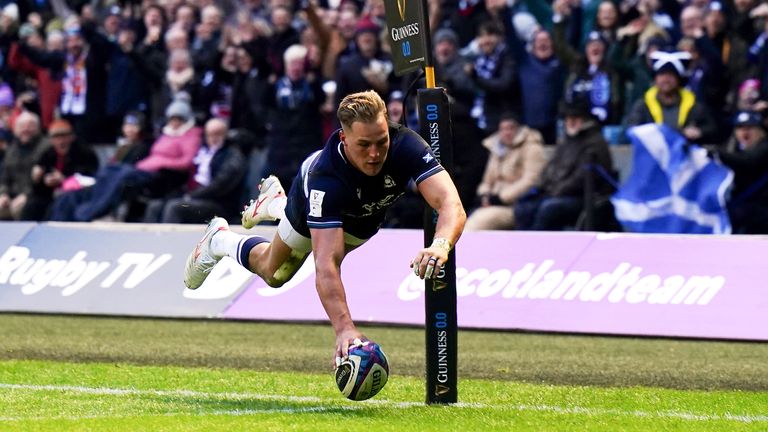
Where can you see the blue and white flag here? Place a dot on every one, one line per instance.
(674, 187)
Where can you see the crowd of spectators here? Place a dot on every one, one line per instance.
(203, 96)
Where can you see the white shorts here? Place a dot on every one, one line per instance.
(302, 244)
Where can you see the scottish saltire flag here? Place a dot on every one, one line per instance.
(674, 187)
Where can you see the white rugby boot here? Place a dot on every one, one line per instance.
(201, 260)
(258, 210)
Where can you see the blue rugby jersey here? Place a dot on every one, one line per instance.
(329, 192)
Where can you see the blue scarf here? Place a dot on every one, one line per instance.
(485, 67)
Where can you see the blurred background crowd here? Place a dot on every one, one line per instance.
(172, 110)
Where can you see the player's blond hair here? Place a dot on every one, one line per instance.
(363, 107)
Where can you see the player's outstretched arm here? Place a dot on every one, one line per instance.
(328, 251)
(441, 194)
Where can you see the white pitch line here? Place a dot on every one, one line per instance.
(742, 418)
(236, 412)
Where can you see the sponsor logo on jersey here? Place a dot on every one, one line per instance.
(382, 204)
(388, 182)
(316, 203)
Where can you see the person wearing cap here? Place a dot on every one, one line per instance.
(514, 166)
(747, 155)
(558, 199)
(65, 158)
(668, 102)
(135, 142)
(15, 180)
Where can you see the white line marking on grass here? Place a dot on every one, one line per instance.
(742, 418)
(179, 392)
(236, 412)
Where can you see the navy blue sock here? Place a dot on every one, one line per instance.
(244, 249)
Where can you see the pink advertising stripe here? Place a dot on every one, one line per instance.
(658, 285)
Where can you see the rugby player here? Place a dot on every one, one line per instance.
(336, 203)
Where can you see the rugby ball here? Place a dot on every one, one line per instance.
(364, 373)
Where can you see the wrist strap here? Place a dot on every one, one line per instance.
(442, 243)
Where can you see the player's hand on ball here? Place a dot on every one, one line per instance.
(345, 339)
(364, 372)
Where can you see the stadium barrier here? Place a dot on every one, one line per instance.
(575, 282)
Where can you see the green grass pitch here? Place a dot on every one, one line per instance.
(104, 374)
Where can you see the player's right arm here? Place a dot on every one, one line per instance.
(441, 194)
(328, 251)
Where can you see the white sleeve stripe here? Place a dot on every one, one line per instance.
(305, 167)
(432, 171)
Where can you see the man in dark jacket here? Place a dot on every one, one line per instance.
(559, 199)
(747, 156)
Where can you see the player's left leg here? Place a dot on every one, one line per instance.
(275, 262)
